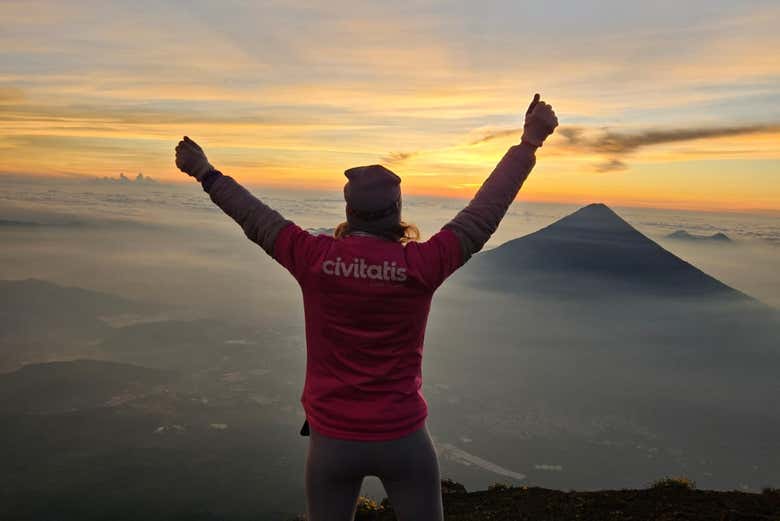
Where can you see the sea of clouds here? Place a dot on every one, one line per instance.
(53, 222)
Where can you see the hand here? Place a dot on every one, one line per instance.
(540, 121)
(191, 159)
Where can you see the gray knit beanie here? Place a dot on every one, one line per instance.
(373, 196)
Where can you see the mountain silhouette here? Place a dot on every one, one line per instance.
(57, 387)
(592, 282)
(683, 235)
(44, 298)
(40, 320)
(591, 250)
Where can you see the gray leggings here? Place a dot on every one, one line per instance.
(408, 468)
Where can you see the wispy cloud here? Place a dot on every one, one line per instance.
(10, 95)
(618, 143)
(607, 141)
(611, 165)
(497, 134)
(617, 147)
(397, 157)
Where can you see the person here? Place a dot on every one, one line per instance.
(367, 292)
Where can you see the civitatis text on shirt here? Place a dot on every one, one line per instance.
(359, 269)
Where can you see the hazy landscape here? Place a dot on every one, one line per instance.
(152, 357)
(611, 353)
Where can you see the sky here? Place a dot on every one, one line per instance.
(661, 104)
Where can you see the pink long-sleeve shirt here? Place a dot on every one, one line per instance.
(366, 301)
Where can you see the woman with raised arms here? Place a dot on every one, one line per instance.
(367, 292)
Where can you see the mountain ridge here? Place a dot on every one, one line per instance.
(592, 250)
(683, 235)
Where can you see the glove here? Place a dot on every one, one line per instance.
(540, 121)
(191, 159)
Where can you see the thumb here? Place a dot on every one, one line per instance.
(533, 104)
(194, 144)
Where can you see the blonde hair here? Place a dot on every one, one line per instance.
(403, 232)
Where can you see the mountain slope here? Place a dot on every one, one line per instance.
(591, 250)
(74, 385)
(682, 235)
(41, 321)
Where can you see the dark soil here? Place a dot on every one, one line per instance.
(657, 504)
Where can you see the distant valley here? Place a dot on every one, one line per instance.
(583, 356)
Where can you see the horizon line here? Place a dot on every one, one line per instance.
(522, 198)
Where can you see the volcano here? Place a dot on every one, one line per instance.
(593, 278)
(586, 253)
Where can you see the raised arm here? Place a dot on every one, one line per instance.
(479, 220)
(260, 223)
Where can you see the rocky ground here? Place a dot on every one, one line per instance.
(663, 502)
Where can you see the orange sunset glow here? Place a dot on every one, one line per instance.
(668, 106)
